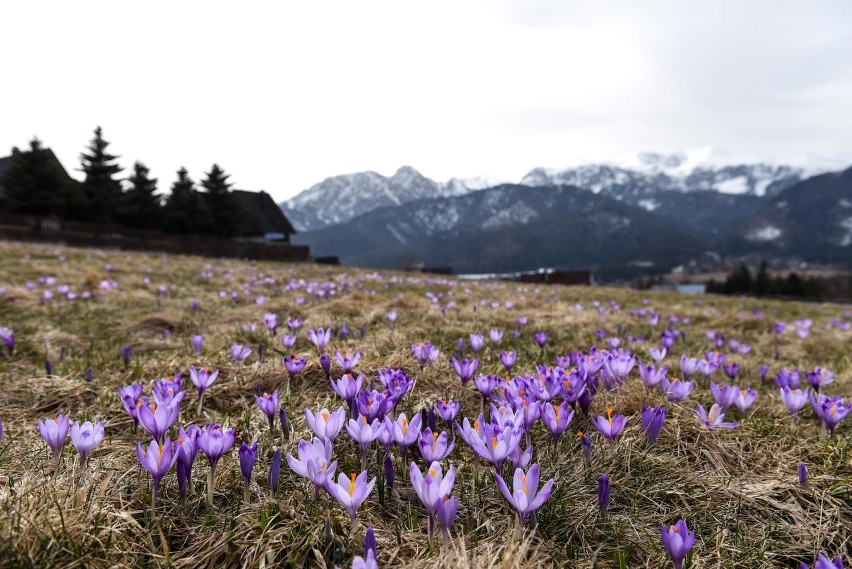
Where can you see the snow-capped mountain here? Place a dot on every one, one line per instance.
(341, 198)
(642, 177)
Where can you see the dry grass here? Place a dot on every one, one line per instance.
(736, 489)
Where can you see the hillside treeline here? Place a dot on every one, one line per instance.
(35, 183)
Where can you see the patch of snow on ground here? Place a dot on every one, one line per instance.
(765, 233)
(649, 204)
(738, 185)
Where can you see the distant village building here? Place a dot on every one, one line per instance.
(264, 219)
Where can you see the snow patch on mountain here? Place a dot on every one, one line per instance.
(764, 233)
(738, 185)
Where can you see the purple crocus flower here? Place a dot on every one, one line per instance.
(8, 339)
(388, 468)
(650, 375)
(239, 353)
(713, 419)
(347, 387)
(603, 494)
(294, 323)
(464, 369)
(352, 492)
(508, 360)
(731, 369)
(325, 424)
(320, 338)
(476, 343)
(90, 375)
(525, 496)
(347, 361)
(364, 434)
(433, 445)
(86, 438)
(268, 403)
(764, 369)
(556, 419)
(314, 463)
(186, 448)
(214, 442)
(125, 354)
(824, 562)
(447, 410)
(325, 364)
(677, 540)
(369, 559)
(495, 335)
(54, 432)
(688, 366)
(156, 417)
(270, 320)
(424, 353)
(131, 400)
(794, 399)
(446, 514)
(157, 459)
(541, 339)
(676, 390)
(788, 378)
(496, 443)
(745, 398)
(288, 341)
(725, 395)
(819, 378)
(405, 432)
(803, 475)
(1, 430)
(609, 426)
(202, 378)
(653, 419)
(248, 456)
(657, 354)
(617, 368)
(830, 410)
(432, 488)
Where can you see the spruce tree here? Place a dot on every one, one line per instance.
(226, 209)
(101, 190)
(35, 183)
(185, 210)
(140, 204)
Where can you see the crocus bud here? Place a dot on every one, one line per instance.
(432, 422)
(460, 346)
(586, 441)
(285, 423)
(274, 472)
(48, 367)
(764, 369)
(125, 354)
(803, 475)
(325, 364)
(1, 430)
(90, 375)
(603, 493)
(388, 471)
(369, 543)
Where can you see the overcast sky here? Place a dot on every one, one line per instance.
(284, 94)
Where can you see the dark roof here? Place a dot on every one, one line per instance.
(264, 215)
(7, 161)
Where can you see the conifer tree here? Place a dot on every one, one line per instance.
(101, 190)
(226, 209)
(185, 210)
(35, 183)
(140, 204)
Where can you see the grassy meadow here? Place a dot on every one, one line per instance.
(737, 489)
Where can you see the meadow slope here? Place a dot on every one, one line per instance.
(737, 489)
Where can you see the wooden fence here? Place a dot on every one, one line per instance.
(76, 234)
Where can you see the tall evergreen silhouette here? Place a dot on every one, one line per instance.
(140, 204)
(185, 210)
(101, 190)
(36, 183)
(226, 209)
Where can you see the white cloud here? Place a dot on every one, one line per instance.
(285, 94)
